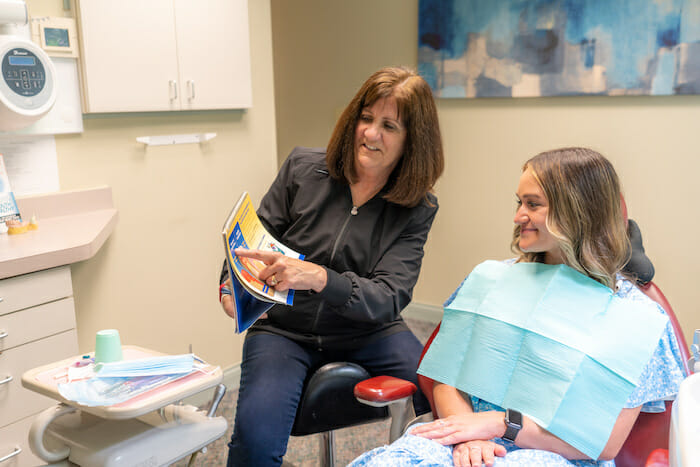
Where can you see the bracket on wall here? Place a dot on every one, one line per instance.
(175, 139)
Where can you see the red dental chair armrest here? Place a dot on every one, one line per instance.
(396, 395)
(393, 393)
(383, 390)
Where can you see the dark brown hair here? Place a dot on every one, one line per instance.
(422, 161)
(585, 213)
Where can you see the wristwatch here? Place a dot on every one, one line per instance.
(514, 422)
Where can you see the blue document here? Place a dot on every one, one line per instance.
(8, 205)
(251, 296)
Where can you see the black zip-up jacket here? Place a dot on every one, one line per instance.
(373, 257)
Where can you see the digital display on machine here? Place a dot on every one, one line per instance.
(23, 72)
(56, 37)
(21, 61)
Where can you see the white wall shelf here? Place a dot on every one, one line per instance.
(175, 139)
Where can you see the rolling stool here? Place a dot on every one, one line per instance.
(328, 403)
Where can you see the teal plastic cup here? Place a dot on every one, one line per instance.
(108, 346)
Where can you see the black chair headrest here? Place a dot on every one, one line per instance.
(639, 266)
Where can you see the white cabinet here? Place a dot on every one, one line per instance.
(159, 55)
(37, 326)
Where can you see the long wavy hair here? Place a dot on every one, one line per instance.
(422, 161)
(585, 214)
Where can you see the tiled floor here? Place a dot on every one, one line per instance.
(303, 451)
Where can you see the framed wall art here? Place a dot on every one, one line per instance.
(529, 48)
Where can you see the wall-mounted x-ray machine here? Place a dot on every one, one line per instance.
(28, 84)
(39, 90)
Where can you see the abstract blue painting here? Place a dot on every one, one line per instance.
(528, 48)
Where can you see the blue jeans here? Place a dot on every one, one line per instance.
(273, 372)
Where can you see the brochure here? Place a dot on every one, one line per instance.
(8, 206)
(251, 297)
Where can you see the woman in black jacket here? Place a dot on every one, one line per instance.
(360, 211)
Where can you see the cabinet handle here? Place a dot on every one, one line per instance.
(1, 299)
(3, 334)
(12, 454)
(173, 89)
(190, 85)
(6, 380)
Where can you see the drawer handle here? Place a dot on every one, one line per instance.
(173, 89)
(3, 334)
(6, 380)
(190, 85)
(12, 454)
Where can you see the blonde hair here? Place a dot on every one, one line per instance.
(585, 214)
(422, 161)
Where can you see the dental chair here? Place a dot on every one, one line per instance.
(651, 430)
(650, 433)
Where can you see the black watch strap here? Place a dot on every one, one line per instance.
(514, 422)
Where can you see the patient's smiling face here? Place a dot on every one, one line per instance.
(531, 216)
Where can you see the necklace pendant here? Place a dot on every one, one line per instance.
(353, 211)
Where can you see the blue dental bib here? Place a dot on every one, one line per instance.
(548, 341)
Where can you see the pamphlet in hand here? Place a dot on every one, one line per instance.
(8, 206)
(251, 297)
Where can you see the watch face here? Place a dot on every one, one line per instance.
(513, 417)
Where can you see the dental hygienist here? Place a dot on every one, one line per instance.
(360, 211)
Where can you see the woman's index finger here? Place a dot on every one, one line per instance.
(264, 256)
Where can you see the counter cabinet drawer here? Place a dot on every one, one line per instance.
(31, 324)
(14, 445)
(16, 402)
(27, 290)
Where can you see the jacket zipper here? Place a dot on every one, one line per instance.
(353, 212)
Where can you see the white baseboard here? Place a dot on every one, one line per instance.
(232, 374)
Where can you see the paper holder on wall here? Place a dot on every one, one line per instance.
(175, 139)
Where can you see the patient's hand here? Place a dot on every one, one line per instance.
(463, 427)
(474, 453)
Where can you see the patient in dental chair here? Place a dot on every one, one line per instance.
(546, 359)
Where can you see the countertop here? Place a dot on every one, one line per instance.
(73, 225)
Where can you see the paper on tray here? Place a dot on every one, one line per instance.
(116, 382)
(95, 392)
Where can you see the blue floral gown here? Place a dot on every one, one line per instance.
(659, 381)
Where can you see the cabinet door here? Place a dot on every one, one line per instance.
(213, 53)
(129, 61)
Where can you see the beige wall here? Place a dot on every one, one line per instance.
(324, 50)
(156, 278)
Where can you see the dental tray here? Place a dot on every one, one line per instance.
(45, 380)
